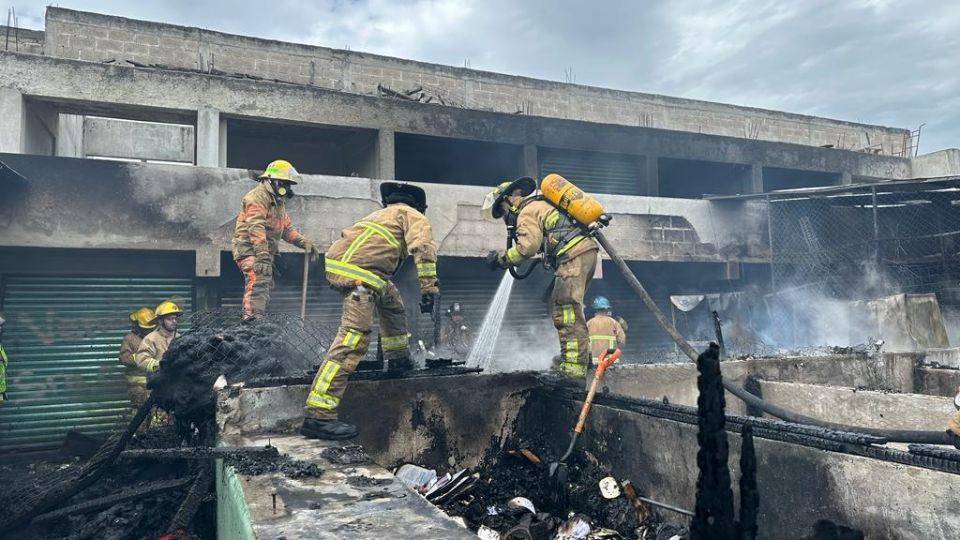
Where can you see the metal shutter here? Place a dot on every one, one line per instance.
(62, 336)
(595, 172)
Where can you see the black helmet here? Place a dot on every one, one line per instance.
(491, 203)
(395, 192)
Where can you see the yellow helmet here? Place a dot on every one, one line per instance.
(167, 308)
(281, 169)
(144, 318)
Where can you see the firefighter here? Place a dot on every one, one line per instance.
(538, 227)
(158, 341)
(3, 365)
(261, 223)
(605, 331)
(360, 265)
(954, 425)
(142, 323)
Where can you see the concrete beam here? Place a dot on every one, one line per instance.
(12, 120)
(70, 136)
(208, 138)
(76, 83)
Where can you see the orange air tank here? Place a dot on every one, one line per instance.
(570, 199)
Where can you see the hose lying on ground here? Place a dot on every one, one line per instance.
(892, 435)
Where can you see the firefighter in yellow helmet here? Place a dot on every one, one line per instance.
(537, 227)
(360, 265)
(158, 341)
(142, 323)
(261, 224)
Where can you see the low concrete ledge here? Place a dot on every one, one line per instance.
(861, 407)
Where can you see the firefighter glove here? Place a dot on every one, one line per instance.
(263, 268)
(427, 302)
(494, 261)
(311, 251)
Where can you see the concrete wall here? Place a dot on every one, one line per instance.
(99, 204)
(936, 382)
(861, 407)
(439, 421)
(942, 163)
(109, 137)
(21, 40)
(678, 382)
(798, 485)
(94, 37)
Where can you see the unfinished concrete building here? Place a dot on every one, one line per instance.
(127, 145)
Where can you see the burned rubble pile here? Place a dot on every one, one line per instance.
(271, 347)
(511, 496)
(141, 510)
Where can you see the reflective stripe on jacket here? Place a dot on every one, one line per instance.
(152, 348)
(261, 224)
(371, 250)
(128, 348)
(541, 228)
(605, 333)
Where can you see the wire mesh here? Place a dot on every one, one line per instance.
(864, 243)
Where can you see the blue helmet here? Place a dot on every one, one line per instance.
(601, 302)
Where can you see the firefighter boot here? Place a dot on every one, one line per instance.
(331, 430)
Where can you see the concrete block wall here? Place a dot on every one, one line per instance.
(96, 38)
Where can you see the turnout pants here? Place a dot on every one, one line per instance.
(256, 290)
(353, 340)
(570, 284)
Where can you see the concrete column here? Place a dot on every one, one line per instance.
(208, 138)
(386, 155)
(846, 178)
(222, 159)
(70, 136)
(207, 262)
(651, 176)
(756, 179)
(12, 121)
(531, 162)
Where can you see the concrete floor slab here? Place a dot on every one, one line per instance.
(329, 507)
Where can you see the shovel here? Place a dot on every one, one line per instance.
(558, 470)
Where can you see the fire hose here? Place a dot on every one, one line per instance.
(891, 435)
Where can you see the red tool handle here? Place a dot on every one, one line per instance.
(607, 358)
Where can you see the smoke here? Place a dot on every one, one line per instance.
(526, 348)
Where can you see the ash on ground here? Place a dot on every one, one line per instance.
(283, 464)
(492, 504)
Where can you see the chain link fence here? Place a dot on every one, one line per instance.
(859, 243)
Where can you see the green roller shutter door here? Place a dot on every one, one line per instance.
(62, 336)
(595, 172)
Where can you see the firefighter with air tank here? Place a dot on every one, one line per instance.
(544, 224)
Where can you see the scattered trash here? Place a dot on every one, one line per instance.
(521, 502)
(604, 534)
(352, 454)
(577, 526)
(417, 478)
(486, 533)
(609, 488)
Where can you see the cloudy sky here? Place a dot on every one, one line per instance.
(873, 61)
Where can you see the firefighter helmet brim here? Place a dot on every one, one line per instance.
(408, 193)
(492, 207)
